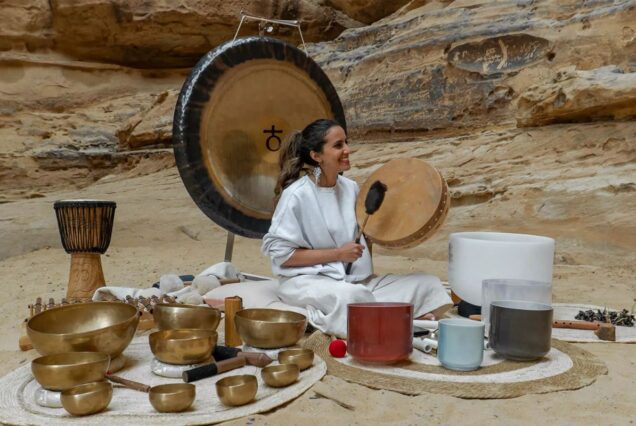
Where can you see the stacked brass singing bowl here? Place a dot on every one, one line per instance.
(171, 316)
(89, 398)
(182, 347)
(106, 327)
(270, 328)
(62, 371)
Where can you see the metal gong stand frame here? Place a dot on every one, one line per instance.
(265, 25)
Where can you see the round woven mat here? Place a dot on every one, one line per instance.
(566, 367)
(129, 407)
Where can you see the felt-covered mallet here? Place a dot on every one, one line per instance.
(372, 203)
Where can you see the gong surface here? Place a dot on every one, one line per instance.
(241, 101)
(415, 204)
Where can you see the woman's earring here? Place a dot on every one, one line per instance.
(317, 172)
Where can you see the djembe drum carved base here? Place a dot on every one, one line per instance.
(86, 275)
(85, 229)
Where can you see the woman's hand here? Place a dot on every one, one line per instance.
(350, 252)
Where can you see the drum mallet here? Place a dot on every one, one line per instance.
(372, 203)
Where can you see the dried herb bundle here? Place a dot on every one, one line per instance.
(623, 317)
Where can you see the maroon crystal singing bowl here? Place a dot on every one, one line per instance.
(380, 332)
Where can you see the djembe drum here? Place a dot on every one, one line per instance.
(85, 229)
(415, 204)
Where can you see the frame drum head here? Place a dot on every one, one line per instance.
(415, 204)
(241, 101)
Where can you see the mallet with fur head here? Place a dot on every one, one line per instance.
(372, 203)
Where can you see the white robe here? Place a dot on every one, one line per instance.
(324, 289)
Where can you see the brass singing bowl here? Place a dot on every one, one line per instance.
(237, 390)
(270, 328)
(171, 316)
(89, 398)
(303, 358)
(58, 372)
(173, 397)
(280, 375)
(187, 346)
(106, 327)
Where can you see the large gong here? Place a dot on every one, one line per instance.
(241, 101)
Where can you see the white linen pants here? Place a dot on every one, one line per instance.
(326, 299)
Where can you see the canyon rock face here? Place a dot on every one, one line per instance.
(526, 107)
(579, 96)
(156, 33)
(463, 64)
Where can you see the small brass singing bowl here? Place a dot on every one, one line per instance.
(303, 358)
(237, 390)
(106, 327)
(182, 347)
(173, 316)
(281, 375)
(173, 397)
(270, 328)
(59, 372)
(89, 398)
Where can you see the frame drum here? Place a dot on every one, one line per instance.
(241, 101)
(415, 204)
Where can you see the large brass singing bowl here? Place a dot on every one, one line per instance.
(174, 316)
(173, 397)
(237, 390)
(62, 371)
(182, 347)
(89, 398)
(280, 375)
(106, 327)
(270, 328)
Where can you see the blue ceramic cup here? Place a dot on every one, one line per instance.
(460, 344)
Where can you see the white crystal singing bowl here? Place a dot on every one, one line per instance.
(477, 256)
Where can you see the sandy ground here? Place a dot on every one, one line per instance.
(159, 230)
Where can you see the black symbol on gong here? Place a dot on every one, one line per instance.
(268, 142)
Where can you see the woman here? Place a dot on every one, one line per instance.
(311, 238)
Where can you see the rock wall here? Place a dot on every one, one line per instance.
(464, 64)
(527, 107)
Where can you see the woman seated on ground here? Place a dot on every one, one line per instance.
(311, 238)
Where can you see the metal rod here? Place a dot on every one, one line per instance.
(290, 23)
(229, 246)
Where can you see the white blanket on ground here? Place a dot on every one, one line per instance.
(192, 294)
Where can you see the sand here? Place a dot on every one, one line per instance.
(158, 230)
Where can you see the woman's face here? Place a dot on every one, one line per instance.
(334, 157)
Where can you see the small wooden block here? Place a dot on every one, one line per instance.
(606, 332)
(25, 343)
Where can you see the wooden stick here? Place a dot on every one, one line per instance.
(128, 383)
(232, 306)
(571, 324)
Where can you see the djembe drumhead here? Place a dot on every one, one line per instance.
(415, 204)
(241, 101)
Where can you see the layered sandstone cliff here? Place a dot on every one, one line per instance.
(527, 107)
